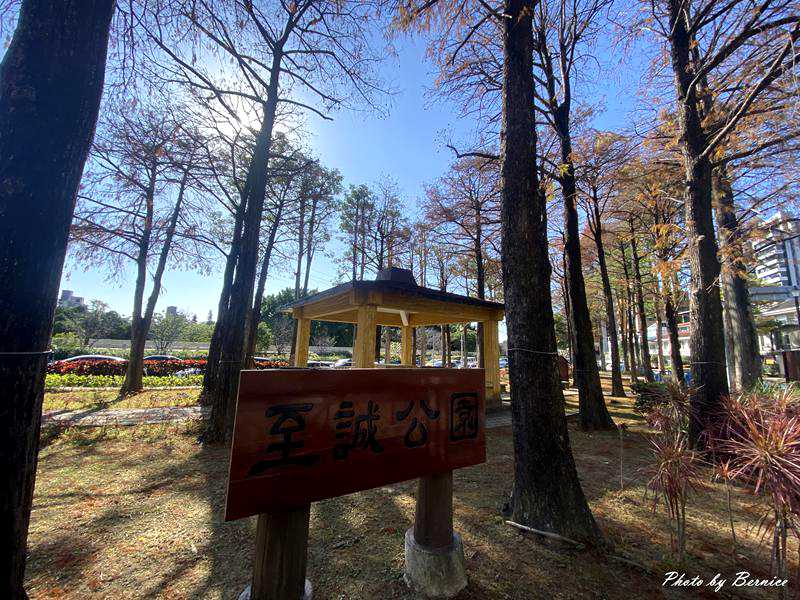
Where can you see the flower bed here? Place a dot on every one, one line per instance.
(152, 367)
(54, 381)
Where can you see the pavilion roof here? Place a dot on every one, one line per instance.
(399, 299)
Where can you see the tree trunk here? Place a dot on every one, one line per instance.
(644, 343)
(354, 243)
(565, 299)
(707, 340)
(135, 369)
(674, 340)
(223, 396)
(480, 284)
(301, 249)
(550, 499)
(616, 375)
(310, 244)
(624, 334)
(727, 319)
(133, 373)
(631, 329)
(740, 329)
(592, 411)
(255, 314)
(659, 327)
(214, 347)
(51, 80)
(602, 345)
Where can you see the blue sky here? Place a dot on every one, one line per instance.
(406, 144)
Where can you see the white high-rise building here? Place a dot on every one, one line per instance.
(778, 254)
(69, 299)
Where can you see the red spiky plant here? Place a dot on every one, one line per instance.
(760, 437)
(676, 466)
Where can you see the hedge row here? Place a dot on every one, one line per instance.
(151, 367)
(54, 381)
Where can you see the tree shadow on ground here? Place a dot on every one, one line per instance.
(145, 511)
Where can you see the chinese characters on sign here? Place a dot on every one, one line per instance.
(463, 416)
(288, 420)
(417, 433)
(303, 435)
(357, 431)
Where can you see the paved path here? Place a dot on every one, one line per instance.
(145, 416)
(500, 418)
(148, 416)
(122, 416)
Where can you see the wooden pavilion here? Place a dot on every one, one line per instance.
(395, 300)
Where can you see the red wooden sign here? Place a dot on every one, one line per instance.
(304, 435)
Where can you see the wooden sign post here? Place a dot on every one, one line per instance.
(305, 435)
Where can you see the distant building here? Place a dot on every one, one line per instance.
(666, 348)
(69, 299)
(776, 297)
(172, 311)
(777, 255)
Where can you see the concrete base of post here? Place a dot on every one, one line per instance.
(435, 572)
(307, 592)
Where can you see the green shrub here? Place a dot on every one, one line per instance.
(65, 345)
(649, 396)
(54, 381)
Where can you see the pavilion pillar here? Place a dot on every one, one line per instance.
(491, 358)
(407, 346)
(364, 347)
(301, 342)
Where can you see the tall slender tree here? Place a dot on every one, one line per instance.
(51, 81)
(277, 48)
(704, 39)
(562, 28)
(463, 204)
(602, 156)
(551, 499)
(131, 207)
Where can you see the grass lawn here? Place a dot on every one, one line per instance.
(137, 513)
(90, 399)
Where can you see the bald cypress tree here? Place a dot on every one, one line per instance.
(51, 80)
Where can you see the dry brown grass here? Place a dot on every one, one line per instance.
(136, 513)
(90, 399)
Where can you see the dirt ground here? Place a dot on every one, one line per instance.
(137, 513)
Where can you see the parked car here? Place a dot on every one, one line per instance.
(187, 372)
(93, 358)
(161, 357)
(472, 363)
(342, 363)
(318, 364)
(503, 362)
